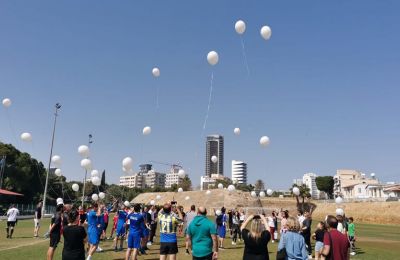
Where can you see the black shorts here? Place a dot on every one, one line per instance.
(168, 248)
(10, 223)
(207, 257)
(54, 240)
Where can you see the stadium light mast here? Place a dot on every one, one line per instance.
(57, 107)
(84, 180)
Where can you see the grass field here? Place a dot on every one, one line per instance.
(374, 242)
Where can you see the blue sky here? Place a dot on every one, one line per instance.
(324, 88)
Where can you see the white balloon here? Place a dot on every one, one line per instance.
(270, 192)
(240, 27)
(208, 192)
(218, 212)
(26, 137)
(7, 102)
(253, 194)
(127, 163)
(58, 172)
(59, 201)
(212, 58)
(265, 32)
(75, 187)
(95, 173)
(158, 197)
(187, 198)
(262, 194)
(180, 190)
(214, 159)
(102, 195)
(236, 131)
(156, 72)
(181, 173)
(231, 188)
(56, 160)
(127, 203)
(339, 212)
(83, 150)
(86, 164)
(339, 200)
(147, 130)
(95, 197)
(152, 202)
(220, 186)
(296, 191)
(96, 181)
(264, 141)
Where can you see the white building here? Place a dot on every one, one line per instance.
(145, 178)
(154, 179)
(239, 172)
(309, 181)
(206, 182)
(173, 177)
(132, 181)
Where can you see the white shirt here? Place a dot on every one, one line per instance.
(301, 219)
(12, 214)
(271, 221)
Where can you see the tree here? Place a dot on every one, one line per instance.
(186, 183)
(259, 185)
(103, 180)
(225, 181)
(325, 184)
(304, 193)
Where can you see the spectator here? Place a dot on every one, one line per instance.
(221, 227)
(292, 241)
(12, 214)
(336, 245)
(82, 215)
(256, 239)
(55, 230)
(188, 219)
(319, 240)
(74, 238)
(37, 218)
(306, 232)
(235, 226)
(145, 230)
(202, 236)
(284, 217)
(153, 225)
(242, 219)
(352, 235)
(106, 220)
(271, 226)
(168, 227)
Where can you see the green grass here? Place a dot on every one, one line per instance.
(374, 242)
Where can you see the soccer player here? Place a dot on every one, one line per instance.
(12, 214)
(146, 230)
(38, 216)
(168, 226)
(93, 230)
(115, 221)
(122, 216)
(136, 226)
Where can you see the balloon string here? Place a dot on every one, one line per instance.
(11, 127)
(209, 102)
(157, 98)
(245, 56)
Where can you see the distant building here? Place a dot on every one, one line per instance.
(173, 177)
(352, 183)
(132, 181)
(214, 147)
(239, 172)
(154, 179)
(298, 182)
(145, 178)
(309, 181)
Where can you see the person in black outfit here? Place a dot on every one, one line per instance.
(306, 231)
(55, 231)
(230, 222)
(38, 217)
(74, 238)
(256, 239)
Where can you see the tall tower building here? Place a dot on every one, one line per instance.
(214, 147)
(239, 172)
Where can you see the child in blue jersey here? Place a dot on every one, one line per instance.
(100, 227)
(93, 237)
(122, 216)
(146, 229)
(136, 225)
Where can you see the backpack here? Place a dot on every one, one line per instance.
(219, 220)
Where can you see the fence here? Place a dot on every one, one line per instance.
(26, 209)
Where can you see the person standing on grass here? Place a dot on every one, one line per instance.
(292, 242)
(145, 230)
(168, 227)
(74, 238)
(352, 235)
(121, 223)
(153, 224)
(82, 215)
(271, 226)
(114, 227)
(221, 227)
(12, 214)
(55, 230)
(242, 218)
(256, 239)
(106, 220)
(306, 232)
(93, 234)
(202, 237)
(235, 226)
(319, 240)
(37, 218)
(136, 226)
(100, 227)
(188, 219)
(336, 245)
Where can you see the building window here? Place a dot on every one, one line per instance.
(359, 190)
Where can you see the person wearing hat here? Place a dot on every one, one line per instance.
(55, 229)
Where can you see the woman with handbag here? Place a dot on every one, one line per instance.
(292, 245)
(256, 238)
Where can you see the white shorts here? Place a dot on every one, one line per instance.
(37, 222)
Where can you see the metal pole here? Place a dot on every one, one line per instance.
(57, 106)
(84, 180)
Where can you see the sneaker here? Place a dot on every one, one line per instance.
(99, 249)
(187, 252)
(310, 257)
(89, 257)
(120, 249)
(233, 243)
(115, 249)
(273, 241)
(353, 253)
(149, 243)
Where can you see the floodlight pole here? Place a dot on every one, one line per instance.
(57, 106)
(84, 180)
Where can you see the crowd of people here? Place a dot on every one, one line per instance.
(136, 225)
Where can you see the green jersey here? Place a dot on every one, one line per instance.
(351, 229)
